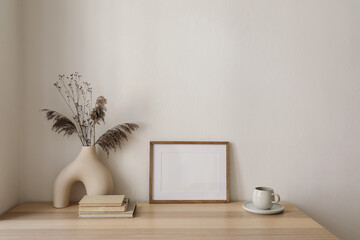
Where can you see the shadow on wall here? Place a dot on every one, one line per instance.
(236, 190)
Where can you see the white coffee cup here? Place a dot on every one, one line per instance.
(264, 197)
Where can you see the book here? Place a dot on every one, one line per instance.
(105, 209)
(127, 214)
(102, 200)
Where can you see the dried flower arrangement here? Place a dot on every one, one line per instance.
(78, 96)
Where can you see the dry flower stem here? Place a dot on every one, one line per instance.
(77, 95)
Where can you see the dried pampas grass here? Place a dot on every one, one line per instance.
(77, 95)
(61, 123)
(115, 136)
(98, 113)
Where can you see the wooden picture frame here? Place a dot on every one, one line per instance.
(220, 164)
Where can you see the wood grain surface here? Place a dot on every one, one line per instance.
(160, 221)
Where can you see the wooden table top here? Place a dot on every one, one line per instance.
(160, 221)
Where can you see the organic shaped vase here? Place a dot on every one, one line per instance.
(87, 169)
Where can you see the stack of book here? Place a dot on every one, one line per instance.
(106, 206)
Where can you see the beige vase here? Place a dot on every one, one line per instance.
(87, 169)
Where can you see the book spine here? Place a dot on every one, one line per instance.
(103, 209)
(106, 216)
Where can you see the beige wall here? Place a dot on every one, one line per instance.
(278, 79)
(11, 120)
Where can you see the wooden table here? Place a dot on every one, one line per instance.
(160, 221)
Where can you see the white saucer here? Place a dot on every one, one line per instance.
(276, 208)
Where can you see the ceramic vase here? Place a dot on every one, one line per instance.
(87, 169)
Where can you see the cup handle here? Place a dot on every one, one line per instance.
(278, 198)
